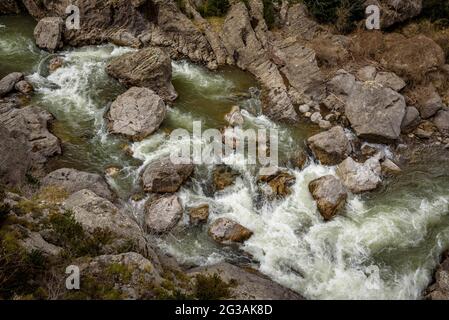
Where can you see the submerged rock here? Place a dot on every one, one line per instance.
(247, 284)
(72, 181)
(48, 33)
(360, 177)
(330, 195)
(330, 147)
(55, 64)
(162, 213)
(162, 176)
(137, 113)
(225, 231)
(149, 67)
(199, 215)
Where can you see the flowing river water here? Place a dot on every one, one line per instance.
(385, 246)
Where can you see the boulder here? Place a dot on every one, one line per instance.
(33, 241)
(55, 63)
(429, 101)
(389, 168)
(72, 181)
(413, 58)
(248, 284)
(162, 213)
(137, 113)
(441, 121)
(150, 68)
(95, 213)
(24, 87)
(411, 119)
(360, 177)
(390, 80)
(234, 118)
(48, 33)
(223, 177)
(8, 83)
(375, 113)
(14, 158)
(280, 183)
(330, 195)
(199, 215)
(162, 176)
(225, 231)
(394, 11)
(32, 124)
(330, 147)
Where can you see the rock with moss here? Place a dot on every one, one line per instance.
(95, 213)
(73, 180)
(226, 281)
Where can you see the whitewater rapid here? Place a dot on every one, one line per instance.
(385, 246)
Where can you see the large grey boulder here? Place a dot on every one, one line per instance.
(95, 213)
(72, 181)
(14, 157)
(149, 67)
(137, 113)
(163, 176)
(376, 113)
(225, 231)
(360, 177)
(330, 147)
(429, 101)
(8, 83)
(48, 33)
(248, 284)
(441, 121)
(31, 123)
(162, 213)
(330, 195)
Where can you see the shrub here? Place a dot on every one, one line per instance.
(212, 287)
(214, 8)
(342, 13)
(436, 10)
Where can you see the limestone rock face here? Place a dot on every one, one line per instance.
(225, 231)
(48, 33)
(137, 113)
(249, 285)
(73, 181)
(330, 195)
(360, 177)
(149, 68)
(162, 176)
(162, 213)
(330, 147)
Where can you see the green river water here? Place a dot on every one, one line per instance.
(385, 246)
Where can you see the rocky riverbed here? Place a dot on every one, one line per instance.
(357, 208)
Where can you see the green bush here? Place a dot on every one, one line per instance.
(212, 287)
(214, 8)
(342, 13)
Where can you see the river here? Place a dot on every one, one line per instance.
(385, 246)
